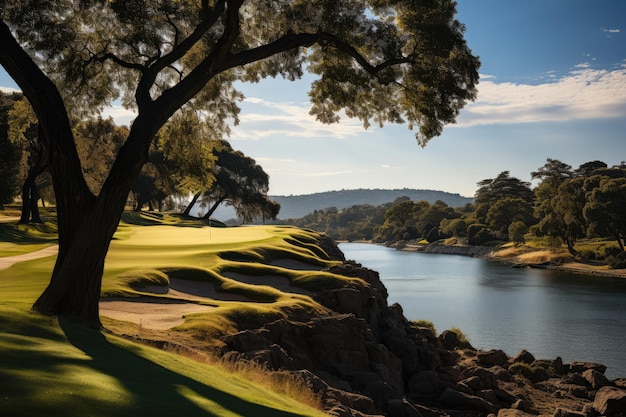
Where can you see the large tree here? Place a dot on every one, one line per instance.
(241, 183)
(605, 207)
(504, 186)
(378, 60)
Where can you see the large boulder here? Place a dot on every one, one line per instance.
(595, 380)
(492, 358)
(452, 399)
(610, 401)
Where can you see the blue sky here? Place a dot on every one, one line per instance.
(553, 85)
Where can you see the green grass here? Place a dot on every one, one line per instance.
(16, 239)
(53, 368)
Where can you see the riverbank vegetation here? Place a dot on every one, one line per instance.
(571, 213)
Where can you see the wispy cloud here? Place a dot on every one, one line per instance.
(611, 32)
(265, 118)
(582, 94)
(120, 115)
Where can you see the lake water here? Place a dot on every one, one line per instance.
(548, 313)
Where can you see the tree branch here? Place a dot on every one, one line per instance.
(295, 40)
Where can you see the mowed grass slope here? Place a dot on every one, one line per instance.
(54, 368)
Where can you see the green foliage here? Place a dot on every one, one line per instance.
(10, 152)
(427, 324)
(517, 230)
(478, 234)
(522, 369)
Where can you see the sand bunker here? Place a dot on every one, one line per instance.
(150, 313)
(280, 283)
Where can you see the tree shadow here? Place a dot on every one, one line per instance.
(158, 391)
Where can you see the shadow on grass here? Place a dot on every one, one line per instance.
(151, 218)
(155, 389)
(26, 234)
(42, 374)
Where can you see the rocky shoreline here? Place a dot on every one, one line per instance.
(364, 358)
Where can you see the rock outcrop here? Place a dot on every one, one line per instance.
(365, 358)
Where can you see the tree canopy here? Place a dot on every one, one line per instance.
(380, 61)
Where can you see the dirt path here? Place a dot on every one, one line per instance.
(8, 261)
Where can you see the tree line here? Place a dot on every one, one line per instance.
(565, 206)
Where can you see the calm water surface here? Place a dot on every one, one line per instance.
(548, 313)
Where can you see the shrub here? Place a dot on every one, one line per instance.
(478, 234)
(522, 369)
(588, 254)
(517, 230)
(427, 324)
(464, 341)
(618, 261)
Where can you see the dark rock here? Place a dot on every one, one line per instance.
(504, 397)
(349, 301)
(424, 383)
(380, 392)
(248, 340)
(509, 412)
(501, 374)
(487, 378)
(453, 399)
(595, 379)
(489, 395)
(524, 405)
(539, 374)
(493, 357)
(474, 383)
(574, 379)
(610, 401)
(401, 408)
(524, 356)
(561, 412)
(449, 340)
(558, 367)
(583, 366)
(590, 411)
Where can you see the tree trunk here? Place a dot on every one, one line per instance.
(219, 201)
(34, 208)
(570, 247)
(74, 288)
(619, 241)
(29, 191)
(191, 204)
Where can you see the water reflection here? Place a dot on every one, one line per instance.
(549, 313)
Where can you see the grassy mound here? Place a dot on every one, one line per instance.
(53, 368)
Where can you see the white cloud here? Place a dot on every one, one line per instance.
(583, 94)
(120, 115)
(9, 90)
(610, 30)
(266, 118)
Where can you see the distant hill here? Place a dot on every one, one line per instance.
(296, 206)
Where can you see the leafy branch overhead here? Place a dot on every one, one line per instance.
(382, 61)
